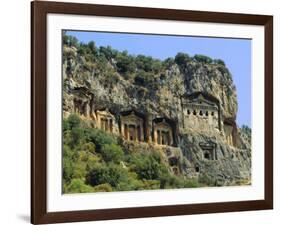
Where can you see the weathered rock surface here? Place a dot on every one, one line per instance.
(230, 166)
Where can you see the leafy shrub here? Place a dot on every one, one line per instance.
(182, 58)
(111, 78)
(191, 183)
(225, 72)
(92, 161)
(246, 131)
(146, 165)
(78, 186)
(156, 66)
(67, 163)
(92, 47)
(168, 62)
(203, 58)
(151, 184)
(79, 170)
(143, 78)
(76, 134)
(82, 50)
(70, 40)
(108, 52)
(171, 181)
(112, 152)
(219, 61)
(67, 170)
(88, 147)
(73, 121)
(103, 188)
(99, 138)
(206, 180)
(130, 184)
(125, 63)
(112, 174)
(144, 63)
(140, 80)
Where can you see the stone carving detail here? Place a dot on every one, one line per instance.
(105, 120)
(201, 112)
(163, 132)
(81, 107)
(230, 131)
(132, 126)
(209, 150)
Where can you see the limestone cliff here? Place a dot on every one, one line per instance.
(218, 152)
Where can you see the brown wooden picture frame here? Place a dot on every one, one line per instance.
(40, 9)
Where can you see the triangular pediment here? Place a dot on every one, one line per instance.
(132, 116)
(201, 100)
(163, 124)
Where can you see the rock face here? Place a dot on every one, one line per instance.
(197, 100)
(213, 160)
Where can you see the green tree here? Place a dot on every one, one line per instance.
(125, 63)
(78, 186)
(70, 40)
(108, 52)
(144, 63)
(68, 165)
(224, 71)
(147, 165)
(92, 47)
(88, 147)
(182, 58)
(103, 188)
(156, 66)
(99, 138)
(143, 78)
(203, 58)
(112, 153)
(79, 169)
(73, 121)
(112, 174)
(169, 62)
(219, 61)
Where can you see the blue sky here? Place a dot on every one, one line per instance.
(236, 53)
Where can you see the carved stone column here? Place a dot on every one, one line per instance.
(141, 132)
(111, 125)
(87, 110)
(148, 125)
(98, 120)
(155, 136)
(122, 129)
(135, 133)
(160, 138)
(171, 142)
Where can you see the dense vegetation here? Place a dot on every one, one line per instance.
(96, 161)
(139, 69)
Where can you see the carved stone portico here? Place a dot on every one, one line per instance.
(105, 120)
(230, 131)
(201, 112)
(81, 107)
(132, 126)
(209, 150)
(163, 133)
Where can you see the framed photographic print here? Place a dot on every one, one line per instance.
(143, 112)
